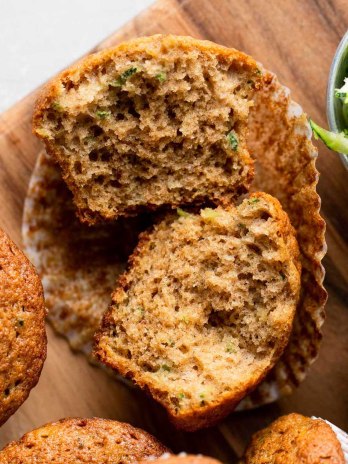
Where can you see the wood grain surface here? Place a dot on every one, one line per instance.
(296, 39)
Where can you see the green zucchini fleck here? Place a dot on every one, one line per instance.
(232, 140)
(209, 214)
(103, 114)
(57, 106)
(230, 348)
(122, 79)
(161, 76)
(182, 213)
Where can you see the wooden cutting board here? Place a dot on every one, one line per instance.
(296, 39)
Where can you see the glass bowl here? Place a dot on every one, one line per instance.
(338, 71)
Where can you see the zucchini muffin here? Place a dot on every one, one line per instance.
(295, 439)
(156, 121)
(75, 441)
(206, 308)
(22, 327)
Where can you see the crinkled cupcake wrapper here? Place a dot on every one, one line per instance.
(280, 141)
(341, 436)
(75, 298)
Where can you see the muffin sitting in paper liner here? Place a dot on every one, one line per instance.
(280, 140)
(341, 436)
(294, 439)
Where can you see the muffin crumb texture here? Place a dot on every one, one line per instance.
(156, 121)
(206, 308)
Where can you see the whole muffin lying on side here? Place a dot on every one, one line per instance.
(295, 439)
(155, 121)
(75, 441)
(22, 327)
(206, 308)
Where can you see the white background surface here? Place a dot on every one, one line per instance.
(38, 38)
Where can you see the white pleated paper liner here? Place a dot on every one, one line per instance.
(341, 436)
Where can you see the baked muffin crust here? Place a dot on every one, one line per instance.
(22, 327)
(75, 441)
(295, 439)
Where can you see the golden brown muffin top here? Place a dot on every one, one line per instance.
(295, 439)
(77, 441)
(22, 327)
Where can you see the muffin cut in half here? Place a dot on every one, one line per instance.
(78, 441)
(295, 439)
(22, 327)
(157, 121)
(206, 308)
